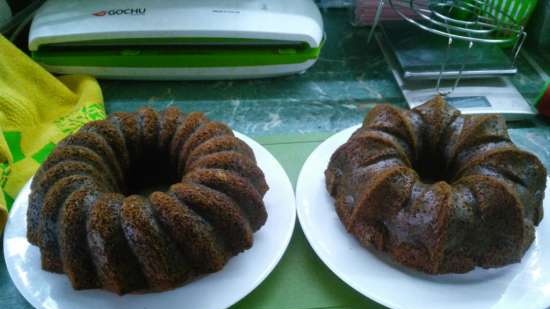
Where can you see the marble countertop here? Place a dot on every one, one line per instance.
(349, 79)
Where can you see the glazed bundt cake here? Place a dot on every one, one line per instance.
(437, 191)
(89, 222)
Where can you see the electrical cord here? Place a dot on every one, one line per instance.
(18, 22)
(21, 26)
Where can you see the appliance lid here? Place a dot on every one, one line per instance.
(149, 22)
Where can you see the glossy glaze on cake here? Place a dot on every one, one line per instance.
(437, 191)
(89, 223)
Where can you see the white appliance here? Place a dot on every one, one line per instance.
(177, 39)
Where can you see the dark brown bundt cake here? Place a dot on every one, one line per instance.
(89, 223)
(438, 191)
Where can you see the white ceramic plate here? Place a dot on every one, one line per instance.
(240, 276)
(525, 285)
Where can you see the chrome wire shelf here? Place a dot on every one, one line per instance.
(470, 21)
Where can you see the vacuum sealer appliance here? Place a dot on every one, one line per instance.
(175, 39)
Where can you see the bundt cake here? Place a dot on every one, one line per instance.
(89, 221)
(437, 191)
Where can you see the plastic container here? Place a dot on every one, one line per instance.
(518, 10)
(364, 12)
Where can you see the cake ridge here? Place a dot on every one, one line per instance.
(161, 263)
(149, 125)
(77, 153)
(220, 210)
(74, 250)
(52, 176)
(169, 121)
(234, 162)
(112, 136)
(404, 135)
(54, 202)
(129, 128)
(221, 143)
(202, 134)
(117, 266)
(190, 124)
(100, 147)
(198, 242)
(237, 188)
(390, 138)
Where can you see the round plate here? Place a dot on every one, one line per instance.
(242, 274)
(522, 285)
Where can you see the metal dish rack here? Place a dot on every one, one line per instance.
(464, 24)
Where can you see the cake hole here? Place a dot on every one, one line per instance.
(150, 175)
(432, 169)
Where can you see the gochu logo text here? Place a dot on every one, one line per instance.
(135, 11)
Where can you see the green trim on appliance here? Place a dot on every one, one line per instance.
(183, 56)
(174, 40)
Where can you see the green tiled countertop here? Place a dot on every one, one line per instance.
(290, 116)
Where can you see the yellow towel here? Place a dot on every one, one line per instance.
(36, 111)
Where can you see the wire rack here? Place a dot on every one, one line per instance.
(472, 21)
